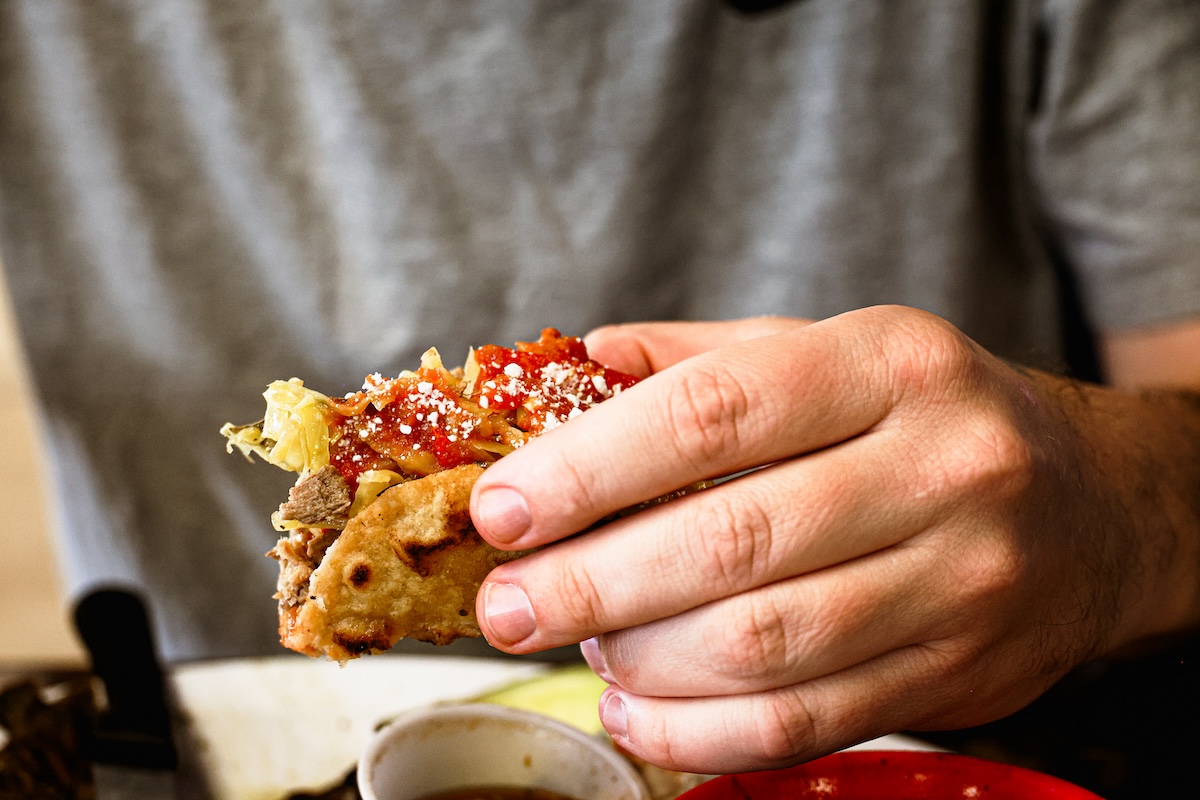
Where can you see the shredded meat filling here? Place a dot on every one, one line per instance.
(321, 500)
(299, 554)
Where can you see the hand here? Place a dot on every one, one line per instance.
(917, 536)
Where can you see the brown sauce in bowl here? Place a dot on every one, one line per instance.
(497, 793)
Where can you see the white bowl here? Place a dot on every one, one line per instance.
(480, 744)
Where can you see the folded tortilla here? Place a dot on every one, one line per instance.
(409, 565)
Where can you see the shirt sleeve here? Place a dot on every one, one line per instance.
(1114, 149)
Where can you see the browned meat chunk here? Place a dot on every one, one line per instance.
(320, 500)
(299, 554)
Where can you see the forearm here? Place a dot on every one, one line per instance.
(1136, 460)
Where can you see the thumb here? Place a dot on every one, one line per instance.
(644, 348)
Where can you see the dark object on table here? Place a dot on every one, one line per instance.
(131, 743)
(45, 719)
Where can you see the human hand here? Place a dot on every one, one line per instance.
(924, 538)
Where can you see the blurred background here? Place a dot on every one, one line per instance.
(33, 619)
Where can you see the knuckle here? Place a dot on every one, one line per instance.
(621, 659)
(959, 668)
(705, 411)
(963, 660)
(993, 567)
(657, 737)
(579, 601)
(994, 457)
(783, 728)
(926, 349)
(754, 643)
(1014, 460)
(734, 546)
(574, 496)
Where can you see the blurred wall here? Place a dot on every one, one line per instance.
(33, 619)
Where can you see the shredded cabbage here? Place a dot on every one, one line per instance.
(432, 359)
(281, 524)
(294, 434)
(370, 485)
(470, 374)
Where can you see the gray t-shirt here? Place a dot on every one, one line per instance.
(200, 196)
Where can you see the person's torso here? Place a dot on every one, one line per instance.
(200, 196)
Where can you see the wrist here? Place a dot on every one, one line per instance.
(1137, 476)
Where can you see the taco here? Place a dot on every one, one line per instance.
(378, 542)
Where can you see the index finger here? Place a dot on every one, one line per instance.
(723, 411)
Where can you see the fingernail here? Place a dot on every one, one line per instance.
(503, 513)
(613, 714)
(595, 659)
(508, 612)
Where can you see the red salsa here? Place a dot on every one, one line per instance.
(551, 380)
(433, 419)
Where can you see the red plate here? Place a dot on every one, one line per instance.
(888, 775)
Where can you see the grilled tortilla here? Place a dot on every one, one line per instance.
(408, 566)
(378, 540)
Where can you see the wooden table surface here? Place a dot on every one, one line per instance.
(33, 619)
